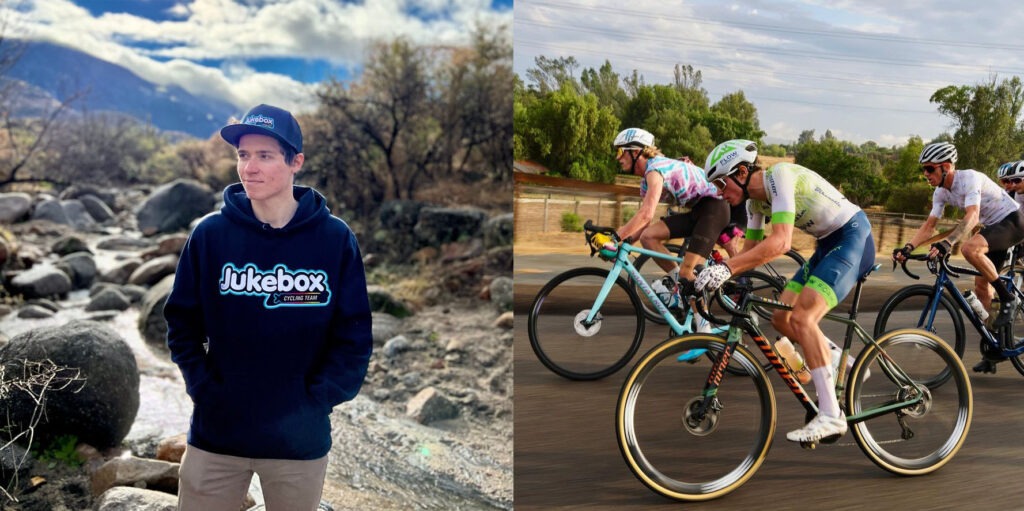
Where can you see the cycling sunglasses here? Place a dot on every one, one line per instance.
(719, 183)
(1014, 180)
(620, 150)
(928, 169)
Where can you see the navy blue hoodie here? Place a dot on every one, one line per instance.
(287, 319)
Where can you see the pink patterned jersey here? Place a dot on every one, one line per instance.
(685, 181)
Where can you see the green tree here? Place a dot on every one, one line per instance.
(570, 134)
(605, 84)
(735, 105)
(550, 74)
(986, 120)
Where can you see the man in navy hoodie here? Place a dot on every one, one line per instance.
(269, 322)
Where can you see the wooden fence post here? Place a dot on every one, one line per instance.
(545, 225)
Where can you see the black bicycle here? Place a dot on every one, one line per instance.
(940, 308)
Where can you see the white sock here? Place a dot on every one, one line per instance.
(825, 387)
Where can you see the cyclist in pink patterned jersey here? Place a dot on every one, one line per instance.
(708, 215)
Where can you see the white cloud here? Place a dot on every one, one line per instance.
(226, 29)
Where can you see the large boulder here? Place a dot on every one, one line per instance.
(119, 273)
(173, 206)
(80, 191)
(79, 216)
(40, 281)
(80, 267)
(442, 225)
(98, 408)
(156, 474)
(50, 209)
(14, 206)
(498, 231)
(109, 299)
(121, 498)
(152, 324)
(69, 244)
(153, 270)
(97, 208)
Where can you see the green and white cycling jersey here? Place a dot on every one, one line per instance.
(799, 196)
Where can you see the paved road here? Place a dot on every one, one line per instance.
(566, 455)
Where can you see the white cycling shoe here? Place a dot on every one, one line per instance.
(821, 426)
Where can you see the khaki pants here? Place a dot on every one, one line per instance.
(217, 482)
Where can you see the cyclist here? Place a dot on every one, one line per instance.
(794, 196)
(637, 154)
(984, 202)
(1011, 176)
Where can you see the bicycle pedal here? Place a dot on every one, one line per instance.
(809, 446)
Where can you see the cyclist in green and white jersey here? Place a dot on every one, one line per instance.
(794, 196)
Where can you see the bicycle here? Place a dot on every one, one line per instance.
(692, 433)
(764, 282)
(922, 301)
(583, 339)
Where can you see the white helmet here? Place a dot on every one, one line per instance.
(1013, 169)
(722, 160)
(939, 152)
(634, 136)
(1007, 169)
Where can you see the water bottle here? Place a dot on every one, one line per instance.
(975, 304)
(793, 359)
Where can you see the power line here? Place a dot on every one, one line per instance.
(747, 71)
(773, 28)
(822, 56)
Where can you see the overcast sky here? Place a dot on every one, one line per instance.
(862, 68)
(245, 52)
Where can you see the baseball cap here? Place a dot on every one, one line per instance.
(266, 120)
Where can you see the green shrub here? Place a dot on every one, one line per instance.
(571, 222)
(914, 198)
(628, 212)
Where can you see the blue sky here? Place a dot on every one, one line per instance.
(247, 51)
(864, 69)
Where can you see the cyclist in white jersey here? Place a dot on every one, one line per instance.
(1011, 176)
(984, 202)
(708, 215)
(795, 196)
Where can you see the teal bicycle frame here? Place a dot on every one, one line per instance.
(623, 263)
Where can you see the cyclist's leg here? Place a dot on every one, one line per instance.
(976, 252)
(847, 254)
(701, 227)
(653, 238)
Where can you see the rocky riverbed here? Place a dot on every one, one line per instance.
(432, 426)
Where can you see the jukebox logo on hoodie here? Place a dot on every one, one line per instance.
(281, 286)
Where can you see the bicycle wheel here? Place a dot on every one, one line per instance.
(653, 270)
(576, 351)
(906, 309)
(672, 452)
(1014, 333)
(923, 437)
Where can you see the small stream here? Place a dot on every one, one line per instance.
(164, 407)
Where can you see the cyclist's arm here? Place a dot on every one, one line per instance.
(773, 246)
(645, 214)
(973, 213)
(925, 231)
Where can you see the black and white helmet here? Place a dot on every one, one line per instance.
(1007, 170)
(939, 152)
(1013, 169)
